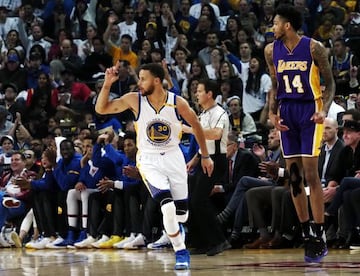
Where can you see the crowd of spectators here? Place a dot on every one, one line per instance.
(53, 55)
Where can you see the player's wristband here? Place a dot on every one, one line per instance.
(118, 184)
(281, 172)
(205, 157)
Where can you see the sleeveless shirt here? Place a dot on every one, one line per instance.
(158, 131)
(297, 75)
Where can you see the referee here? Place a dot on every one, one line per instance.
(207, 236)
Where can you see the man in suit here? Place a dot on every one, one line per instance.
(241, 162)
(328, 161)
(328, 157)
(278, 197)
(237, 204)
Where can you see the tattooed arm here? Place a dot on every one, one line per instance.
(272, 102)
(322, 61)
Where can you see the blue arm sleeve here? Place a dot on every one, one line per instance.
(96, 155)
(48, 9)
(235, 60)
(67, 178)
(46, 183)
(113, 155)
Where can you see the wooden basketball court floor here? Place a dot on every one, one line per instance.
(145, 262)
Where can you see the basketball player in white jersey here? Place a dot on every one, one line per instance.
(160, 161)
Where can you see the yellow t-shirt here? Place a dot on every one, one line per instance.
(118, 54)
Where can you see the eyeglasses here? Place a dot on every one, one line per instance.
(28, 155)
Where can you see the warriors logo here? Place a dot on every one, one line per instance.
(158, 132)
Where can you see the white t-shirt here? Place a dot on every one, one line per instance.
(334, 110)
(128, 29)
(195, 10)
(254, 101)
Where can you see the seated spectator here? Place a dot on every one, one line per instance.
(283, 222)
(7, 22)
(14, 201)
(44, 192)
(182, 67)
(197, 71)
(347, 170)
(199, 35)
(55, 51)
(35, 67)
(183, 18)
(66, 174)
(41, 104)
(6, 125)
(144, 52)
(123, 52)
(86, 47)
(126, 82)
(72, 95)
(7, 149)
(13, 71)
(21, 134)
(13, 41)
(228, 72)
(257, 86)
(11, 102)
(90, 176)
(241, 122)
(30, 162)
(67, 58)
(212, 41)
(237, 204)
(82, 15)
(97, 61)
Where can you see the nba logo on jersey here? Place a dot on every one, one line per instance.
(158, 132)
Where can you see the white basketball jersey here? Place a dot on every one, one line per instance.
(158, 131)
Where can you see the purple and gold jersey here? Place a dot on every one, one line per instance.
(298, 76)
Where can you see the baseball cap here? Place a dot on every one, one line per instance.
(151, 24)
(6, 137)
(13, 58)
(352, 125)
(12, 85)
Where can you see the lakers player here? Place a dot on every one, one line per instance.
(298, 109)
(158, 120)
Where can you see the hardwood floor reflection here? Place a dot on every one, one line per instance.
(144, 262)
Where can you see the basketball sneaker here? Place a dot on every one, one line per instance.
(39, 244)
(103, 238)
(29, 244)
(162, 242)
(182, 260)
(69, 241)
(10, 238)
(315, 250)
(15, 239)
(10, 202)
(120, 245)
(110, 242)
(52, 245)
(137, 243)
(87, 243)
